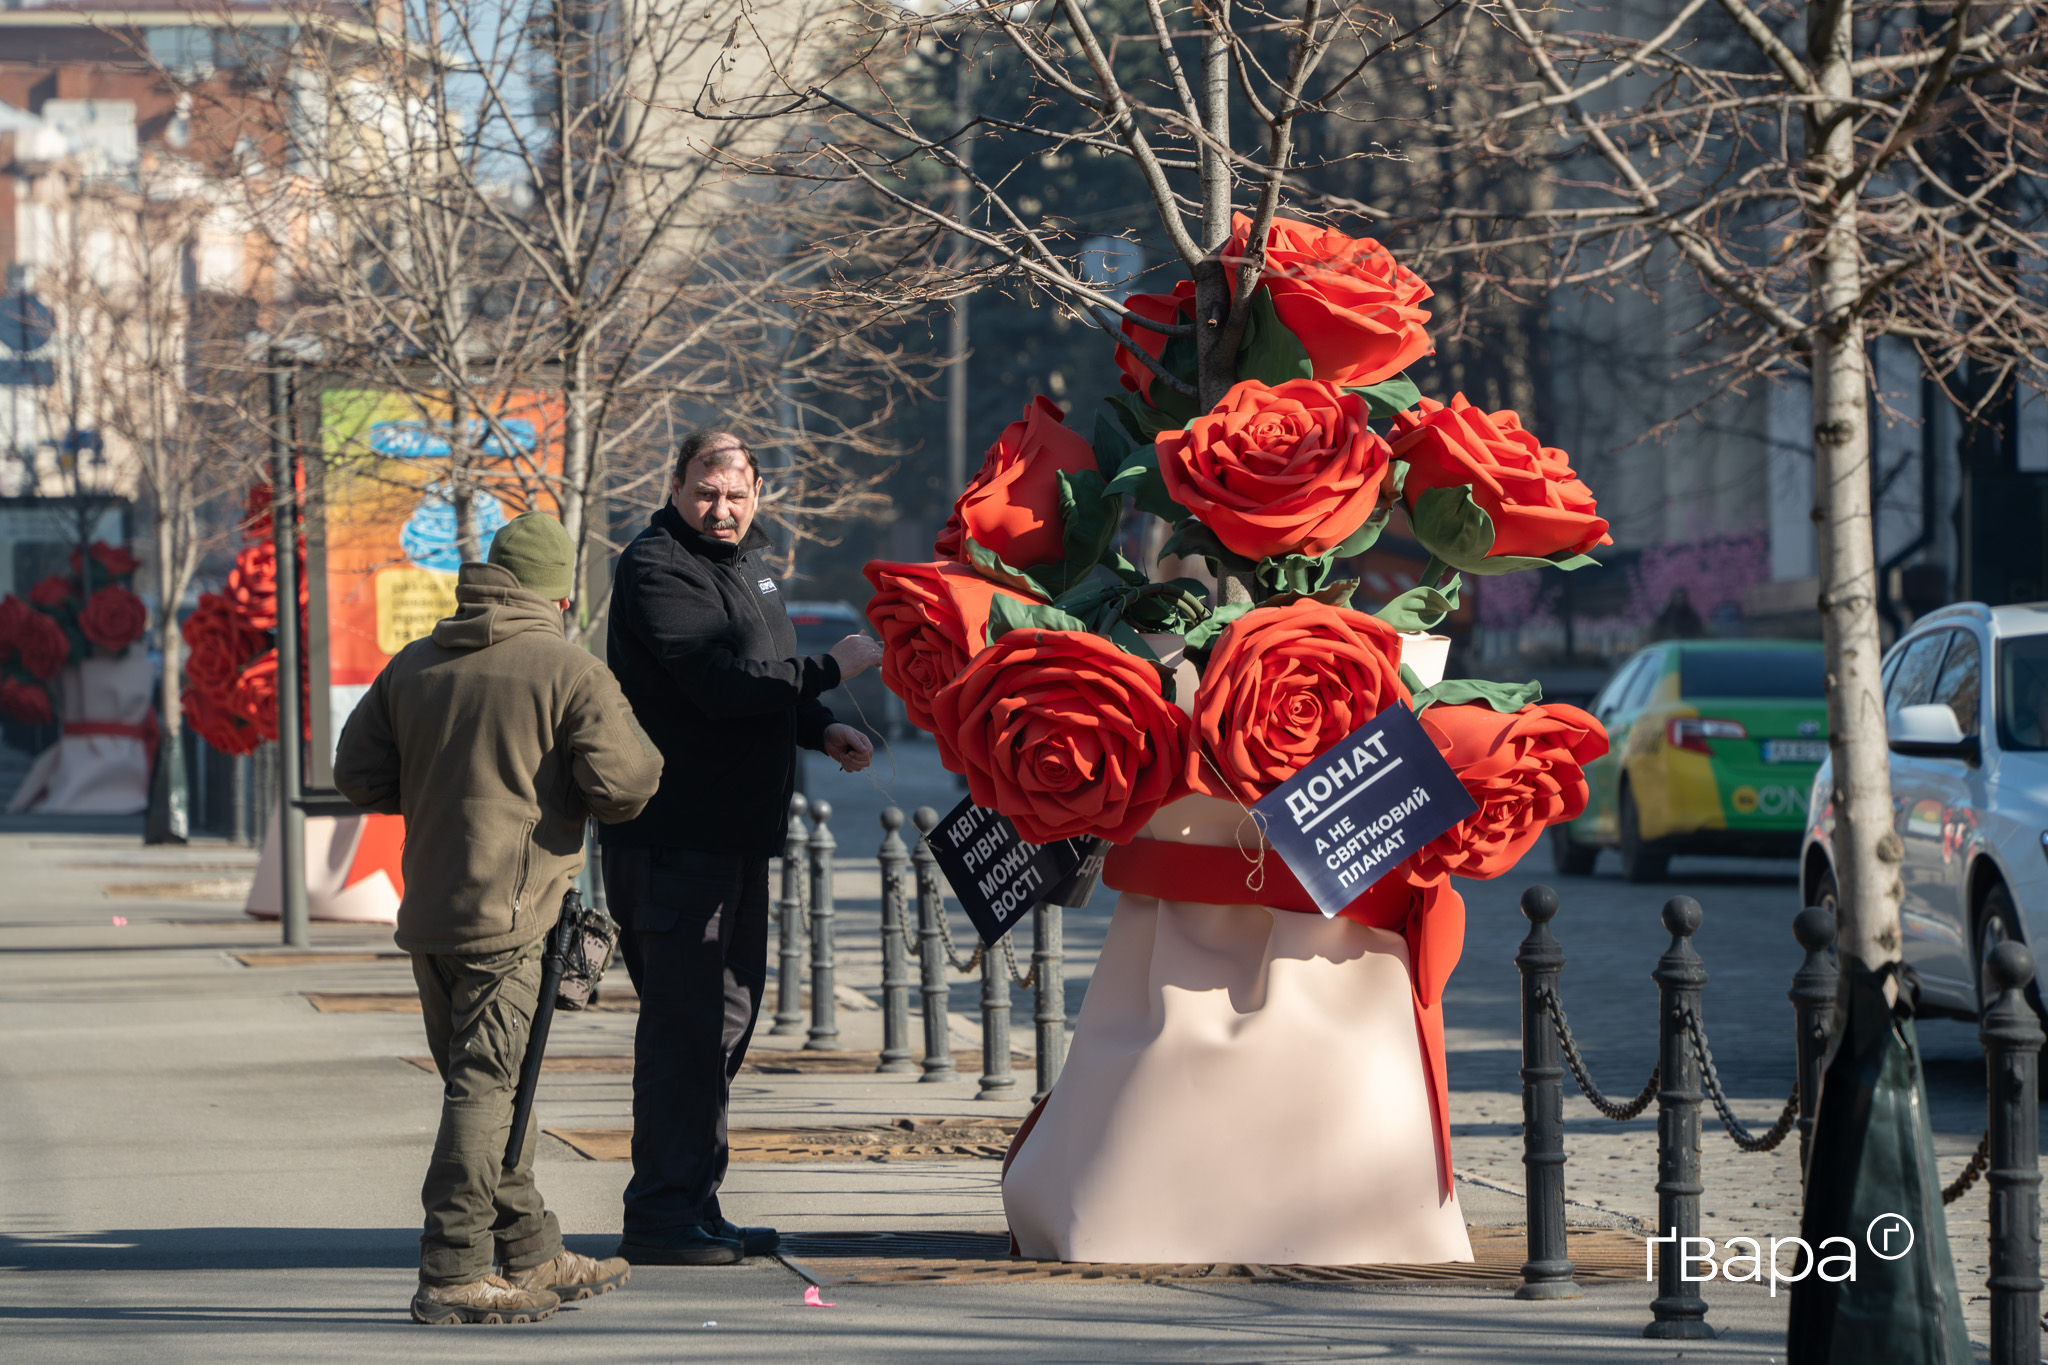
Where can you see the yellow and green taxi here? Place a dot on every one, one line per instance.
(1713, 748)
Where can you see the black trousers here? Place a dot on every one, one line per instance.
(696, 946)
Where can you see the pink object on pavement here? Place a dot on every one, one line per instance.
(811, 1298)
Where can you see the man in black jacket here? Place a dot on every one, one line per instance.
(706, 655)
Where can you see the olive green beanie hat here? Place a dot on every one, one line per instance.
(539, 553)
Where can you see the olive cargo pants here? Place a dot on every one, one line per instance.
(479, 1013)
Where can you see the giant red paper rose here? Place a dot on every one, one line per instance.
(932, 619)
(52, 592)
(1277, 471)
(1065, 734)
(1538, 506)
(1179, 306)
(1355, 310)
(1282, 685)
(114, 618)
(44, 646)
(1526, 771)
(25, 702)
(14, 614)
(114, 560)
(1012, 507)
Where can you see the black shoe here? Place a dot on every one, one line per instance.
(756, 1241)
(685, 1246)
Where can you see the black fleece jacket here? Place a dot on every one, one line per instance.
(705, 653)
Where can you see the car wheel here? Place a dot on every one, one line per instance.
(1641, 859)
(1995, 920)
(1568, 857)
(1827, 895)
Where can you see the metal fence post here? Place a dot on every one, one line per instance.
(789, 913)
(935, 990)
(1813, 1011)
(996, 1080)
(824, 1034)
(894, 860)
(1678, 1312)
(2012, 1048)
(1548, 1272)
(1050, 1013)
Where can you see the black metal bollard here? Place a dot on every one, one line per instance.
(2012, 1058)
(1678, 1312)
(933, 987)
(1048, 959)
(1813, 1011)
(824, 1034)
(895, 864)
(789, 914)
(996, 1079)
(1547, 1274)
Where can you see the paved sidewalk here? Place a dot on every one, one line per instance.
(196, 1164)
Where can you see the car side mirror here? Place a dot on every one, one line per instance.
(1931, 731)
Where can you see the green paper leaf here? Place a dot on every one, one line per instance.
(1089, 518)
(1140, 478)
(1139, 423)
(1112, 444)
(1190, 537)
(1506, 698)
(1125, 636)
(989, 565)
(1269, 352)
(1337, 594)
(1172, 607)
(1389, 397)
(1202, 636)
(1006, 614)
(1361, 540)
(1422, 608)
(1411, 680)
(1459, 532)
(1297, 574)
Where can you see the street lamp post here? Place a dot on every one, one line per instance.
(284, 508)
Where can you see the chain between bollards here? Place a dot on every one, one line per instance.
(894, 860)
(935, 990)
(2012, 1058)
(824, 1032)
(789, 916)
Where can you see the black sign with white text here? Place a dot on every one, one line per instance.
(997, 876)
(1362, 806)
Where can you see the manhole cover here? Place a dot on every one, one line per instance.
(1601, 1256)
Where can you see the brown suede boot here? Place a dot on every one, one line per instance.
(490, 1299)
(574, 1277)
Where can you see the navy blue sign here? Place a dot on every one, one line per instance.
(1363, 805)
(997, 876)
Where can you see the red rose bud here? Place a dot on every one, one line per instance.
(1526, 771)
(25, 702)
(932, 619)
(114, 560)
(1179, 306)
(1012, 507)
(53, 592)
(1276, 471)
(1538, 507)
(114, 618)
(1282, 685)
(1355, 310)
(1065, 734)
(44, 646)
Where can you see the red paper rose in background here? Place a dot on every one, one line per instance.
(114, 560)
(1065, 734)
(114, 618)
(1012, 507)
(1526, 771)
(1282, 685)
(1179, 306)
(53, 591)
(44, 646)
(1356, 311)
(230, 692)
(1276, 471)
(1539, 507)
(14, 614)
(932, 619)
(25, 702)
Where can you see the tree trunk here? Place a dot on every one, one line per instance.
(1866, 849)
(172, 824)
(576, 465)
(1215, 371)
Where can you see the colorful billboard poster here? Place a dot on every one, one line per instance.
(391, 552)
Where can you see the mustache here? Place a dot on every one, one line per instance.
(723, 524)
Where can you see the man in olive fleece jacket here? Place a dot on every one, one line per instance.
(496, 739)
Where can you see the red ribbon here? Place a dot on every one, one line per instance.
(149, 732)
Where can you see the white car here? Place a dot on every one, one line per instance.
(1966, 714)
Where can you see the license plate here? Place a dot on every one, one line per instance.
(1795, 750)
